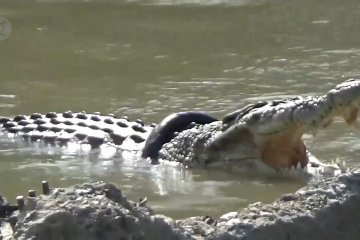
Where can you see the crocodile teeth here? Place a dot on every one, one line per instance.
(298, 166)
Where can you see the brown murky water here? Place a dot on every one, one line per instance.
(146, 59)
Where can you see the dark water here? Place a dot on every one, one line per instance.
(151, 58)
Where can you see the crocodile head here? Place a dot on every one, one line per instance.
(272, 131)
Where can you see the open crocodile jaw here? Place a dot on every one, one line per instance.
(282, 150)
(350, 114)
(274, 129)
(287, 150)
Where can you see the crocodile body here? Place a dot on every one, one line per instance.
(267, 131)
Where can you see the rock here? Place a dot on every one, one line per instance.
(91, 211)
(326, 209)
(228, 216)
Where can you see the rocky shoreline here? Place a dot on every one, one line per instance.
(324, 209)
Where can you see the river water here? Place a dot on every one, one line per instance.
(146, 59)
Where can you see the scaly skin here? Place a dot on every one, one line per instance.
(270, 131)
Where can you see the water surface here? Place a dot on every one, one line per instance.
(146, 59)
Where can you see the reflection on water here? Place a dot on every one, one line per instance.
(151, 58)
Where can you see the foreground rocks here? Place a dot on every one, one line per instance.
(323, 210)
(89, 211)
(326, 209)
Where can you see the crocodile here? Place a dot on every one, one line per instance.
(268, 133)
